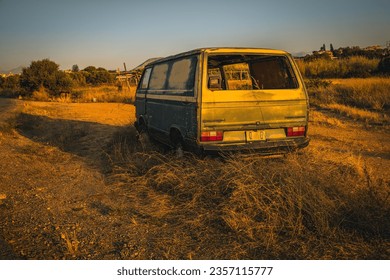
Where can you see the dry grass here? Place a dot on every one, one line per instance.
(71, 242)
(40, 95)
(81, 185)
(371, 93)
(320, 118)
(104, 94)
(356, 66)
(365, 100)
(359, 114)
(313, 205)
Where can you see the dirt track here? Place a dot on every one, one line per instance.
(48, 181)
(55, 200)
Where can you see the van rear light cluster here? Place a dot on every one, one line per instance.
(211, 136)
(296, 131)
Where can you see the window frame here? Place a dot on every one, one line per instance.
(251, 60)
(145, 75)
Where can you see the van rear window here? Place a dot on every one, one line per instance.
(250, 72)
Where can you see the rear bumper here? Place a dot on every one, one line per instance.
(266, 147)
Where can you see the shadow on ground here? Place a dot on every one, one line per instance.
(88, 140)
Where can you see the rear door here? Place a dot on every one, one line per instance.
(252, 97)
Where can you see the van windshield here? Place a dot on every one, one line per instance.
(250, 72)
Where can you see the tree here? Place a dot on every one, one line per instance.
(45, 73)
(12, 82)
(384, 65)
(96, 76)
(75, 68)
(90, 69)
(331, 48)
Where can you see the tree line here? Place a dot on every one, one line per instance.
(374, 52)
(45, 75)
(346, 62)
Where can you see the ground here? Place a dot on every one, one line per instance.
(57, 196)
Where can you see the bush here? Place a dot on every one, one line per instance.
(384, 65)
(78, 79)
(97, 76)
(10, 82)
(40, 95)
(10, 86)
(45, 73)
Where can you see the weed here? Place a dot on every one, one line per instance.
(40, 95)
(71, 242)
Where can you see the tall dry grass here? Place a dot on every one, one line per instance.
(316, 205)
(365, 100)
(372, 93)
(355, 66)
(104, 94)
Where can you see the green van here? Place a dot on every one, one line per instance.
(224, 99)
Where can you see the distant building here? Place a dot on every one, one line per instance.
(373, 48)
(329, 53)
(6, 75)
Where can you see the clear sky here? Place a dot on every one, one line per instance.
(110, 32)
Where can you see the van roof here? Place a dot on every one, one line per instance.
(216, 50)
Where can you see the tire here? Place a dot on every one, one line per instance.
(178, 143)
(143, 137)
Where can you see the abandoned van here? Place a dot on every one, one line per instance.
(224, 99)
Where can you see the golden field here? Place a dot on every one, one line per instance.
(77, 184)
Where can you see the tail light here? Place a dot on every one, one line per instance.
(296, 131)
(207, 136)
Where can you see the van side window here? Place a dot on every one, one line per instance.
(159, 76)
(145, 79)
(182, 72)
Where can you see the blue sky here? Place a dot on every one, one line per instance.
(108, 33)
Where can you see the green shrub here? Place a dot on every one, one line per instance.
(384, 65)
(97, 76)
(45, 73)
(10, 86)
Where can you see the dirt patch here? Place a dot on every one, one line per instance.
(76, 184)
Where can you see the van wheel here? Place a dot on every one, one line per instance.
(143, 137)
(178, 143)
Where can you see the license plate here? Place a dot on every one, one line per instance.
(255, 135)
